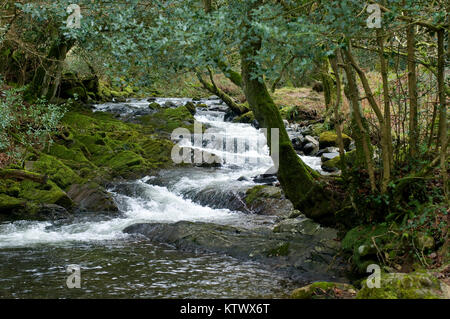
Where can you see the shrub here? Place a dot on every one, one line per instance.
(25, 125)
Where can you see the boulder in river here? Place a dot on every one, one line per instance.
(307, 254)
(92, 197)
(268, 200)
(329, 138)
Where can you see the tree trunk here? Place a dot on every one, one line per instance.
(238, 109)
(386, 98)
(295, 178)
(361, 136)
(412, 91)
(337, 105)
(442, 110)
(386, 144)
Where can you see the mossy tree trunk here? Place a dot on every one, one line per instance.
(295, 178)
(238, 109)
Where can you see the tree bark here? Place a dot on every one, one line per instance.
(238, 109)
(442, 111)
(362, 140)
(412, 91)
(337, 105)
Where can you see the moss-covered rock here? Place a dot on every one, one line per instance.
(325, 290)
(329, 138)
(168, 119)
(417, 285)
(268, 200)
(359, 242)
(8, 203)
(48, 193)
(334, 164)
(52, 167)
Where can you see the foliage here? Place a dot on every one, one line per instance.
(25, 125)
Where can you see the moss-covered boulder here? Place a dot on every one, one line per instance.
(52, 167)
(325, 290)
(168, 119)
(92, 197)
(416, 285)
(363, 243)
(329, 138)
(268, 200)
(334, 164)
(8, 203)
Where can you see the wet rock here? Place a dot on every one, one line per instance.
(154, 106)
(328, 156)
(52, 212)
(213, 97)
(268, 200)
(170, 104)
(92, 197)
(298, 142)
(310, 149)
(151, 99)
(218, 107)
(266, 179)
(191, 107)
(307, 254)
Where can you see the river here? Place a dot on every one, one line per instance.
(34, 255)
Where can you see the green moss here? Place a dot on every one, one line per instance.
(335, 163)
(261, 191)
(158, 151)
(8, 203)
(48, 193)
(62, 152)
(359, 241)
(166, 120)
(123, 161)
(415, 285)
(61, 174)
(281, 250)
(248, 117)
(329, 138)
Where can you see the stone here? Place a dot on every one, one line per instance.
(310, 149)
(92, 197)
(328, 156)
(416, 285)
(329, 138)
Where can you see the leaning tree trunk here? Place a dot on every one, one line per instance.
(295, 178)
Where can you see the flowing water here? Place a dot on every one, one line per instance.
(34, 255)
